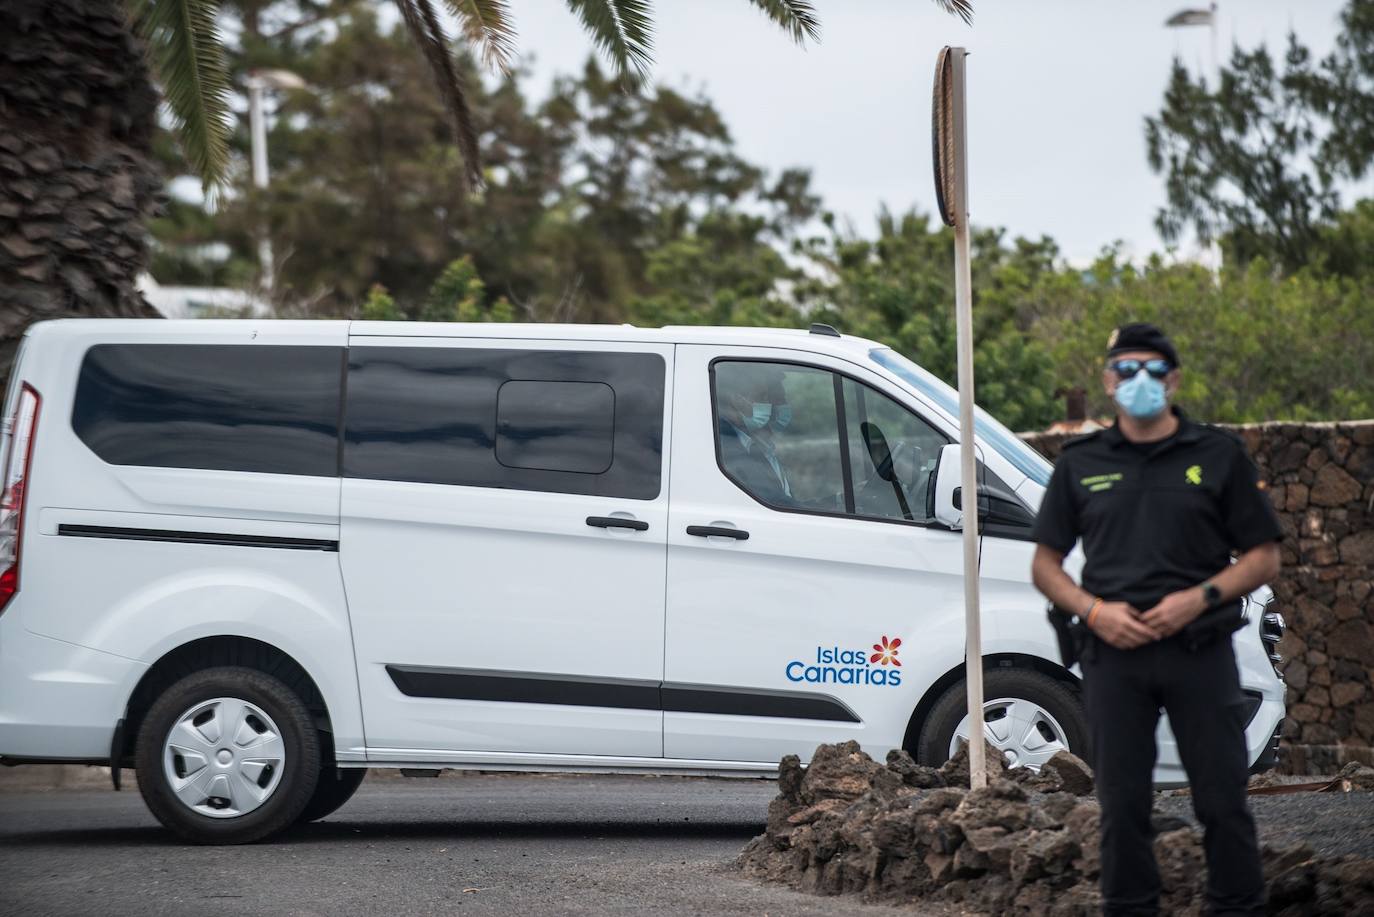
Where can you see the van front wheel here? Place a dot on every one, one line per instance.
(227, 756)
(1027, 715)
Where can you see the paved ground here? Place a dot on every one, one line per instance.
(479, 845)
(474, 845)
(1335, 824)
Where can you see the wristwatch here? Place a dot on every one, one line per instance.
(1211, 594)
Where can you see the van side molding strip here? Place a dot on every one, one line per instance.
(619, 693)
(523, 687)
(182, 537)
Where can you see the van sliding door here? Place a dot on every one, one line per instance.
(504, 546)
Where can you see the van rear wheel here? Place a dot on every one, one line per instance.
(335, 787)
(227, 756)
(1027, 715)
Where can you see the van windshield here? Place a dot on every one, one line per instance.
(1010, 446)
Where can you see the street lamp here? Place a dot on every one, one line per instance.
(259, 81)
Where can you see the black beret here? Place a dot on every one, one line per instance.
(1141, 336)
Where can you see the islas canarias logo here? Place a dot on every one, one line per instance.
(836, 665)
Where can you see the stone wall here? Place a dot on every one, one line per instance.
(1320, 478)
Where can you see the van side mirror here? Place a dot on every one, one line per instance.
(996, 506)
(946, 482)
(878, 451)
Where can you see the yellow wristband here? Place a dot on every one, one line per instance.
(1093, 609)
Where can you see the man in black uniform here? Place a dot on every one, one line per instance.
(1160, 503)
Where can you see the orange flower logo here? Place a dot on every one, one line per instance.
(886, 652)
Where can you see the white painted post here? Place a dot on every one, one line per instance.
(968, 462)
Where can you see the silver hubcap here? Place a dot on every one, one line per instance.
(1024, 732)
(223, 757)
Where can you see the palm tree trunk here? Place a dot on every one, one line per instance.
(77, 180)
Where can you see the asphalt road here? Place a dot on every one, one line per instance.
(471, 845)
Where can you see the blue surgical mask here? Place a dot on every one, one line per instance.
(782, 417)
(760, 415)
(1141, 396)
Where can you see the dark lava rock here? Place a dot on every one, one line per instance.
(1071, 773)
(900, 762)
(1357, 777)
(955, 771)
(848, 825)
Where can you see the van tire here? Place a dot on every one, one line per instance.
(1051, 695)
(335, 787)
(300, 768)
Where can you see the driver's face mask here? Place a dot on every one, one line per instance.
(759, 415)
(782, 417)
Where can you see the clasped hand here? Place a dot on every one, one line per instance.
(1125, 627)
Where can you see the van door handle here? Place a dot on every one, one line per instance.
(717, 531)
(613, 522)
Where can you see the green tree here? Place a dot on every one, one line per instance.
(1257, 160)
(899, 289)
(1255, 346)
(585, 189)
(379, 306)
(459, 295)
(80, 112)
(189, 55)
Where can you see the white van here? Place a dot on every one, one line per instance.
(251, 559)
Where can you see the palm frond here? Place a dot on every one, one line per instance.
(961, 8)
(797, 17)
(188, 59)
(488, 25)
(427, 32)
(622, 29)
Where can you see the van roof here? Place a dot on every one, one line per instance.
(791, 338)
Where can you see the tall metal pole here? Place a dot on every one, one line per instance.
(258, 128)
(968, 461)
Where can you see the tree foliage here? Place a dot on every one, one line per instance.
(1255, 346)
(188, 55)
(612, 204)
(1258, 159)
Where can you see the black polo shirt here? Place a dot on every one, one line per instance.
(1154, 517)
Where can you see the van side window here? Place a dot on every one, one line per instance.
(777, 435)
(577, 422)
(805, 439)
(893, 453)
(226, 407)
(555, 426)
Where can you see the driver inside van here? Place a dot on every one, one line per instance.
(753, 410)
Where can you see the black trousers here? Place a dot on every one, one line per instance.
(1200, 690)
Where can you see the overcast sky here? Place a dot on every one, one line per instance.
(1058, 94)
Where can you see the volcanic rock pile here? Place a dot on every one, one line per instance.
(1025, 844)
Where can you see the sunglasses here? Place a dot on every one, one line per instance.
(1125, 369)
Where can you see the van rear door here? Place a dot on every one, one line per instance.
(503, 545)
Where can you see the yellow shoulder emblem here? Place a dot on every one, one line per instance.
(1194, 474)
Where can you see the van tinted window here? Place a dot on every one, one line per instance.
(555, 426)
(234, 407)
(545, 420)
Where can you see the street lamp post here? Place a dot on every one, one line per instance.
(259, 81)
(1208, 17)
